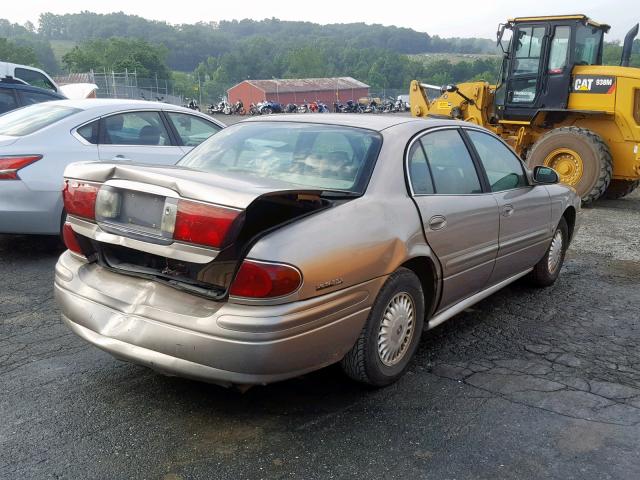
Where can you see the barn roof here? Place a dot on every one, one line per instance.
(284, 85)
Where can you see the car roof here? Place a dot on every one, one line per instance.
(90, 103)
(30, 88)
(105, 106)
(371, 122)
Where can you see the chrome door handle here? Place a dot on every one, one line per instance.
(121, 158)
(507, 210)
(437, 222)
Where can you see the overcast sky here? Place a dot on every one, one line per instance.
(453, 18)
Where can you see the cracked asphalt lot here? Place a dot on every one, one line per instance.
(528, 384)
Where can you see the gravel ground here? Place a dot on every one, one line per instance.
(528, 384)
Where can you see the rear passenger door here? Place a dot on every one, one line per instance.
(461, 222)
(137, 136)
(191, 129)
(525, 210)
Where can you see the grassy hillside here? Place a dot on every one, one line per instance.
(60, 47)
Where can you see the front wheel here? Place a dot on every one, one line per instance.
(390, 337)
(581, 158)
(547, 270)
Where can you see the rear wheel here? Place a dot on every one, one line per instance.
(547, 270)
(389, 339)
(581, 158)
(621, 188)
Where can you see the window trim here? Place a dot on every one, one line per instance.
(102, 129)
(476, 155)
(478, 166)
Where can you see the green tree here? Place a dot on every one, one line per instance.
(307, 61)
(11, 52)
(118, 54)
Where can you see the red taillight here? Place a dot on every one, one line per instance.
(10, 164)
(203, 224)
(70, 239)
(265, 280)
(80, 198)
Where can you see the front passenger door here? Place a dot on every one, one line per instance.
(460, 221)
(525, 210)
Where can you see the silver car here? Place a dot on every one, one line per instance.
(37, 142)
(285, 244)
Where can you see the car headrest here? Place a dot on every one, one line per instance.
(149, 135)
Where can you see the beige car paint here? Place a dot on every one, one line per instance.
(349, 249)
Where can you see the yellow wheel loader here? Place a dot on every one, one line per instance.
(556, 104)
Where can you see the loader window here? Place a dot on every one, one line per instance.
(588, 41)
(559, 50)
(528, 48)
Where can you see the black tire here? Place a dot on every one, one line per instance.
(621, 188)
(594, 152)
(546, 272)
(363, 362)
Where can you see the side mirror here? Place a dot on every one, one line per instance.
(545, 175)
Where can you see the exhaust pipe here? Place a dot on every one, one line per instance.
(628, 46)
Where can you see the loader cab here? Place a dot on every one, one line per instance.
(538, 61)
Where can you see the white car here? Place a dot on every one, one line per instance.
(37, 143)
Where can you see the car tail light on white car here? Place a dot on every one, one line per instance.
(11, 164)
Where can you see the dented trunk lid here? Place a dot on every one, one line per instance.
(138, 242)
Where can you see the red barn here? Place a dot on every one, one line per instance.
(326, 90)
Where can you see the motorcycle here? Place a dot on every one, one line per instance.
(352, 107)
(192, 104)
(268, 107)
(291, 108)
(372, 107)
(322, 107)
(254, 110)
(236, 109)
(388, 106)
(303, 107)
(218, 108)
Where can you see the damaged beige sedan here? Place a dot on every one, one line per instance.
(283, 245)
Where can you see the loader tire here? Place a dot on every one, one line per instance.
(580, 156)
(621, 188)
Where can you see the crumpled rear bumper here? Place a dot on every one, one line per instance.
(177, 333)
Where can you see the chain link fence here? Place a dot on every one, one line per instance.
(125, 85)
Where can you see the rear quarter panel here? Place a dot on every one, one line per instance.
(362, 239)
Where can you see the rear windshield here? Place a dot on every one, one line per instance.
(24, 121)
(302, 154)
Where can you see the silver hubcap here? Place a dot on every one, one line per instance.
(396, 329)
(555, 252)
